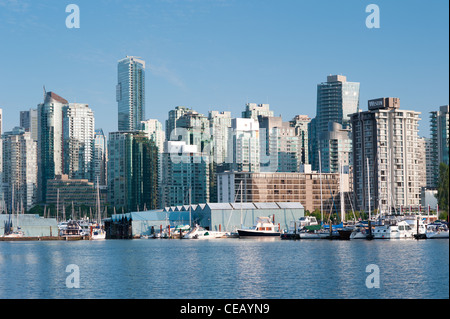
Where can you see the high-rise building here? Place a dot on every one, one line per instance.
(19, 169)
(100, 158)
(220, 123)
(337, 99)
(155, 133)
(243, 152)
(387, 162)
(301, 123)
(78, 134)
(29, 121)
(186, 175)
(130, 93)
(171, 122)
(50, 141)
(440, 140)
(193, 128)
(429, 163)
(336, 146)
(279, 145)
(253, 111)
(132, 171)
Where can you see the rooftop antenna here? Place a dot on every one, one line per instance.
(45, 92)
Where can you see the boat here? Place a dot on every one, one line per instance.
(264, 227)
(314, 233)
(417, 225)
(97, 233)
(199, 232)
(361, 231)
(72, 229)
(14, 234)
(297, 227)
(437, 230)
(393, 229)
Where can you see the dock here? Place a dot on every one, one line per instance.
(45, 238)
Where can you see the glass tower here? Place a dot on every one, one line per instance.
(130, 93)
(337, 99)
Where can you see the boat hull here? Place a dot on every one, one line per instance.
(438, 235)
(253, 233)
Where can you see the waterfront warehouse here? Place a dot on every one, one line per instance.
(30, 225)
(212, 216)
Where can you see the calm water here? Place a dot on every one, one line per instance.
(224, 269)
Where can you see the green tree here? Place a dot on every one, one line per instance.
(442, 187)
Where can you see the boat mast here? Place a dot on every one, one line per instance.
(341, 187)
(241, 206)
(321, 200)
(57, 204)
(368, 187)
(190, 205)
(98, 204)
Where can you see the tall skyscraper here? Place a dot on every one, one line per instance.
(337, 99)
(50, 141)
(29, 120)
(132, 171)
(243, 152)
(78, 134)
(220, 123)
(19, 169)
(171, 122)
(387, 162)
(100, 158)
(301, 123)
(279, 145)
(130, 93)
(439, 139)
(186, 175)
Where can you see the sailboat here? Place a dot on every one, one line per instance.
(97, 231)
(9, 227)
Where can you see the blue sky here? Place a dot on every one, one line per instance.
(221, 54)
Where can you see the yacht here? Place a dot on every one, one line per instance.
(97, 233)
(437, 230)
(14, 234)
(263, 228)
(361, 231)
(307, 221)
(72, 229)
(297, 227)
(416, 223)
(394, 230)
(200, 233)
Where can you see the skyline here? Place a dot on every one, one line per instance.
(219, 55)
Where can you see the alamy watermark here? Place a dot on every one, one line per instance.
(73, 279)
(73, 19)
(373, 280)
(373, 20)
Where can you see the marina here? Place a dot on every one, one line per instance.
(255, 268)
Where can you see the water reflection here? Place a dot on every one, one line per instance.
(229, 268)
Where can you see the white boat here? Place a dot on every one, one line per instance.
(72, 229)
(263, 228)
(307, 221)
(397, 230)
(360, 231)
(14, 234)
(314, 234)
(416, 223)
(200, 233)
(97, 233)
(437, 230)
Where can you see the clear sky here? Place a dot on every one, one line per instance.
(221, 54)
